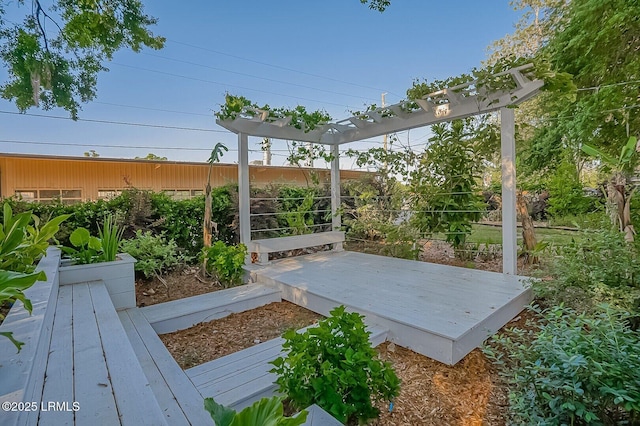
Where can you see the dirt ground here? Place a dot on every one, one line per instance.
(208, 341)
(467, 394)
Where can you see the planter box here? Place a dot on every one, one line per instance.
(118, 276)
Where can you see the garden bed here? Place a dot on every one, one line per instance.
(211, 340)
(177, 285)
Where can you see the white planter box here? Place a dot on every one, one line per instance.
(118, 276)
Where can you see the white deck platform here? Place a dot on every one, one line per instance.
(442, 312)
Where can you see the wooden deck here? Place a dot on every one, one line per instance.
(442, 312)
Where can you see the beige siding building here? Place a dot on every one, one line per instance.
(73, 179)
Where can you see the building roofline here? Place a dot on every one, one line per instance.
(142, 161)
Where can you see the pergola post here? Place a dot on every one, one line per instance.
(244, 207)
(509, 223)
(336, 221)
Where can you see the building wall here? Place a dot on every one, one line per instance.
(86, 178)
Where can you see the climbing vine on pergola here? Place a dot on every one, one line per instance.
(494, 92)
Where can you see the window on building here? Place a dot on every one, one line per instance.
(107, 194)
(27, 195)
(66, 196)
(178, 194)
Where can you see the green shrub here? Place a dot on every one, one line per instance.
(225, 262)
(566, 195)
(266, 412)
(572, 369)
(599, 267)
(333, 365)
(153, 253)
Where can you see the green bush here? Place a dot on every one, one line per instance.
(333, 365)
(225, 262)
(572, 369)
(566, 195)
(153, 253)
(599, 267)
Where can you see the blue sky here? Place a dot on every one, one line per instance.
(335, 55)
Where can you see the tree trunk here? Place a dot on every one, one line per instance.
(528, 232)
(619, 204)
(206, 226)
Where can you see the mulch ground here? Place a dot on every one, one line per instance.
(210, 340)
(431, 393)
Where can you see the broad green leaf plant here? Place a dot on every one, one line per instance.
(23, 240)
(266, 412)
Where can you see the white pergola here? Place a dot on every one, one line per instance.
(448, 104)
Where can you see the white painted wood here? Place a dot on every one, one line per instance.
(22, 374)
(335, 190)
(318, 417)
(244, 203)
(293, 242)
(184, 313)
(166, 400)
(185, 393)
(59, 383)
(426, 307)
(118, 276)
(130, 386)
(92, 387)
(509, 223)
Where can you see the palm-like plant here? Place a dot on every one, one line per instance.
(618, 195)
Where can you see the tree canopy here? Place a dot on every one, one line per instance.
(53, 56)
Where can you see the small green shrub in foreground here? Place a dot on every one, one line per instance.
(153, 253)
(334, 366)
(225, 262)
(572, 369)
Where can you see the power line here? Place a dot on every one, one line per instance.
(281, 67)
(228, 85)
(123, 123)
(153, 109)
(181, 148)
(256, 76)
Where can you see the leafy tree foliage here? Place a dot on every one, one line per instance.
(379, 5)
(55, 54)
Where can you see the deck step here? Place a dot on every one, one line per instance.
(184, 313)
(180, 400)
(239, 379)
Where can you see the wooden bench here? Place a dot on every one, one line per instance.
(176, 394)
(184, 313)
(273, 245)
(239, 379)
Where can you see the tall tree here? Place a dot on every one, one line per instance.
(55, 54)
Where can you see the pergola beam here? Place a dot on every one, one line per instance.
(448, 104)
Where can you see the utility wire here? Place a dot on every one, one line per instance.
(281, 67)
(256, 76)
(227, 85)
(123, 123)
(154, 109)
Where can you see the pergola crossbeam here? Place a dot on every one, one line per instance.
(451, 103)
